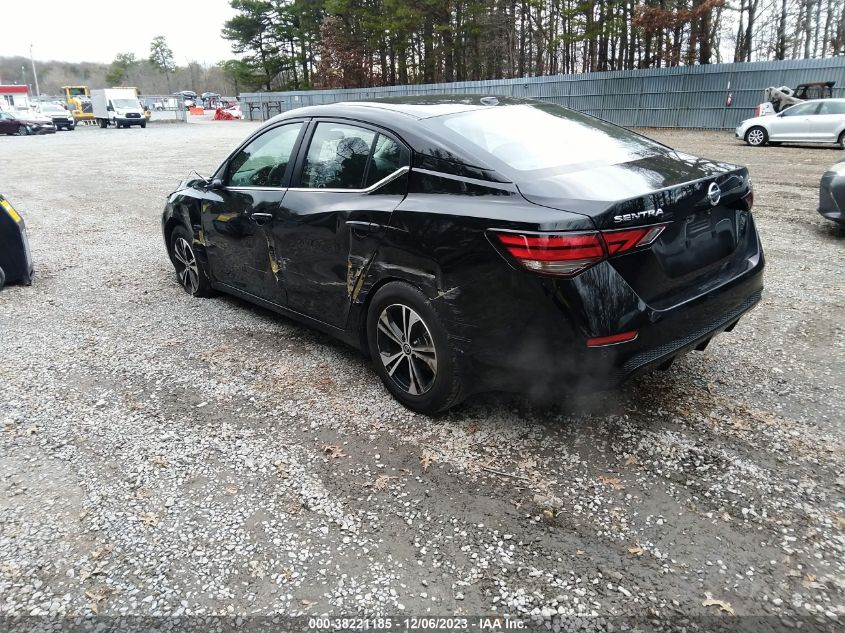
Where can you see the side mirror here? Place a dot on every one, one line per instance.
(217, 183)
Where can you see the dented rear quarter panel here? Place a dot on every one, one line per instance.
(439, 242)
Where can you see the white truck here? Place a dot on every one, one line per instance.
(117, 106)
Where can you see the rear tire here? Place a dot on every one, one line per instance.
(190, 273)
(411, 351)
(2, 279)
(842, 141)
(756, 136)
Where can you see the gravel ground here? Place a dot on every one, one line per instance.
(168, 456)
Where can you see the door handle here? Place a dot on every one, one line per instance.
(367, 228)
(261, 218)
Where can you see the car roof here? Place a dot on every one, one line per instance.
(416, 107)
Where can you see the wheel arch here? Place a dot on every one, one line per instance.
(363, 307)
(380, 274)
(184, 211)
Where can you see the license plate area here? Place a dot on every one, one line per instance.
(697, 240)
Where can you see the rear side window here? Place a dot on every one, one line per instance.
(337, 157)
(833, 107)
(802, 109)
(388, 156)
(265, 160)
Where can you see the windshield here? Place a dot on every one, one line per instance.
(125, 103)
(533, 137)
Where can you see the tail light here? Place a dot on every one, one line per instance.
(567, 254)
(748, 200)
(556, 254)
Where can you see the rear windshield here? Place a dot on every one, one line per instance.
(543, 136)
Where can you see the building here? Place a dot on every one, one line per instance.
(14, 98)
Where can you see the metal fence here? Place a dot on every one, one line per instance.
(682, 97)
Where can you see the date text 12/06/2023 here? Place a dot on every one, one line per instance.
(414, 623)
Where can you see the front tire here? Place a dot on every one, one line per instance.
(756, 136)
(411, 351)
(23, 130)
(842, 141)
(190, 273)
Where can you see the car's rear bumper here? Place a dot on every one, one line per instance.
(833, 214)
(535, 350)
(663, 353)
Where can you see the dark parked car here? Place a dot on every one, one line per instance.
(832, 193)
(473, 243)
(22, 125)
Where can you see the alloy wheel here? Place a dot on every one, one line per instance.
(186, 265)
(755, 137)
(406, 349)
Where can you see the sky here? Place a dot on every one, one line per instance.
(74, 32)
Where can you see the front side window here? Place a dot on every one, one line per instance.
(264, 162)
(802, 109)
(337, 157)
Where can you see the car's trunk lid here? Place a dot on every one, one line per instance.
(703, 204)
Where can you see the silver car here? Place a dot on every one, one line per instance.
(814, 121)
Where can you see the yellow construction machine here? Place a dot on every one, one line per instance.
(79, 100)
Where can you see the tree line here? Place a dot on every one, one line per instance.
(300, 44)
(155, 74)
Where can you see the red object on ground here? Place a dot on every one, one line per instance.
(221, 115)
(199, 111)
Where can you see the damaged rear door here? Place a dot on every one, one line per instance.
(237, 216)
(348, 181)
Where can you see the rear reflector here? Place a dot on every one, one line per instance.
(567, 254)
(613, 339)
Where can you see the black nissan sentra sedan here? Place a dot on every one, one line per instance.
(473, 243)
